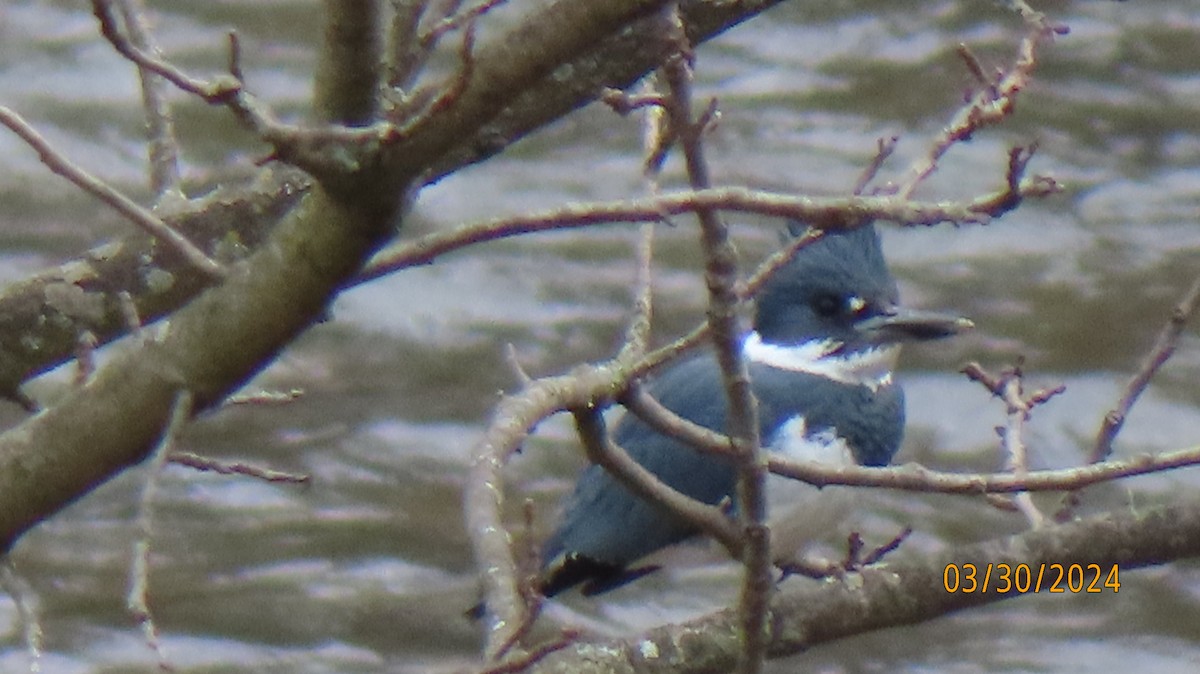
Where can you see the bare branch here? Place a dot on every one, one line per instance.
(901, 592)
(1155, 358)
(720, 273)
(85, 357)
(129, 313)
(468, 16)
(346, 83)
(532, 657)
(602, 451)
(136, 214)
(447, 93)
(974, 67)
(638, 401)
(514, 364)
(406, 54)
(204, 463)
(235, 57)
(27, 616)
(623, 103)
(1007, 387)
(1014, 441)
(884, 147)
(637, 335)
(57, 304)
(911, 477)
(217, 91)
(139, 572)
(329, 152)
(914, 477)
(776, 261)
(1159, 354)
(834, 213)
(264, 397)
(993, 103)
(584, 388)
(163, 143)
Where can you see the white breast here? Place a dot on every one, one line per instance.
(798, 512)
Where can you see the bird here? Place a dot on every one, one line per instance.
(826, 332)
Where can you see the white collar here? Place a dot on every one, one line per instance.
(871, 368)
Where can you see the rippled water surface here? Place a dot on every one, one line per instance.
(368, 568)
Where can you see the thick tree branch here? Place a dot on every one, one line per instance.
(227, 334)
(43, 316)
(30, 344)
(614, 61)
(212, 346)
(347, 82)
(904, 592)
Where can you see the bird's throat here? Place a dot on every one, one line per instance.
(868, 367)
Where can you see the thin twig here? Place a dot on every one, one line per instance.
(135, 213)
(909, 477)
(1014, 443)
(27, 613)
(217, 91)
(204, 463)
(696, 336)
(306, 148)
(514, 364)
(505, 609)
(85, 357)
(887, 548)
(567, 638)
(623, 103)
(163, 144)
(974, 66)
(234, 63)
(833, 213)
(129, 314)
(644, 406)
(1009, 387)
(914, 477)
(602, 451)
(1155, 358)
(637, 335)
(991, 104)
(263, 397)
(776, 261)
(448, 92)
(468, 16)
(1159, 354)
(139, 572)
(720, 271)
(884, 148)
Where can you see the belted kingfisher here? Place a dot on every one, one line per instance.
(827, 331)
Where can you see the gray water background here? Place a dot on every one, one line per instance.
(368, 569)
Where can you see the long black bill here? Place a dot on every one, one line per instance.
(911, 325)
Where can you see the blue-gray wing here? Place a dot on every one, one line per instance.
(606, 527)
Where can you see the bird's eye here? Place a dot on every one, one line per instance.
(827, 305)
